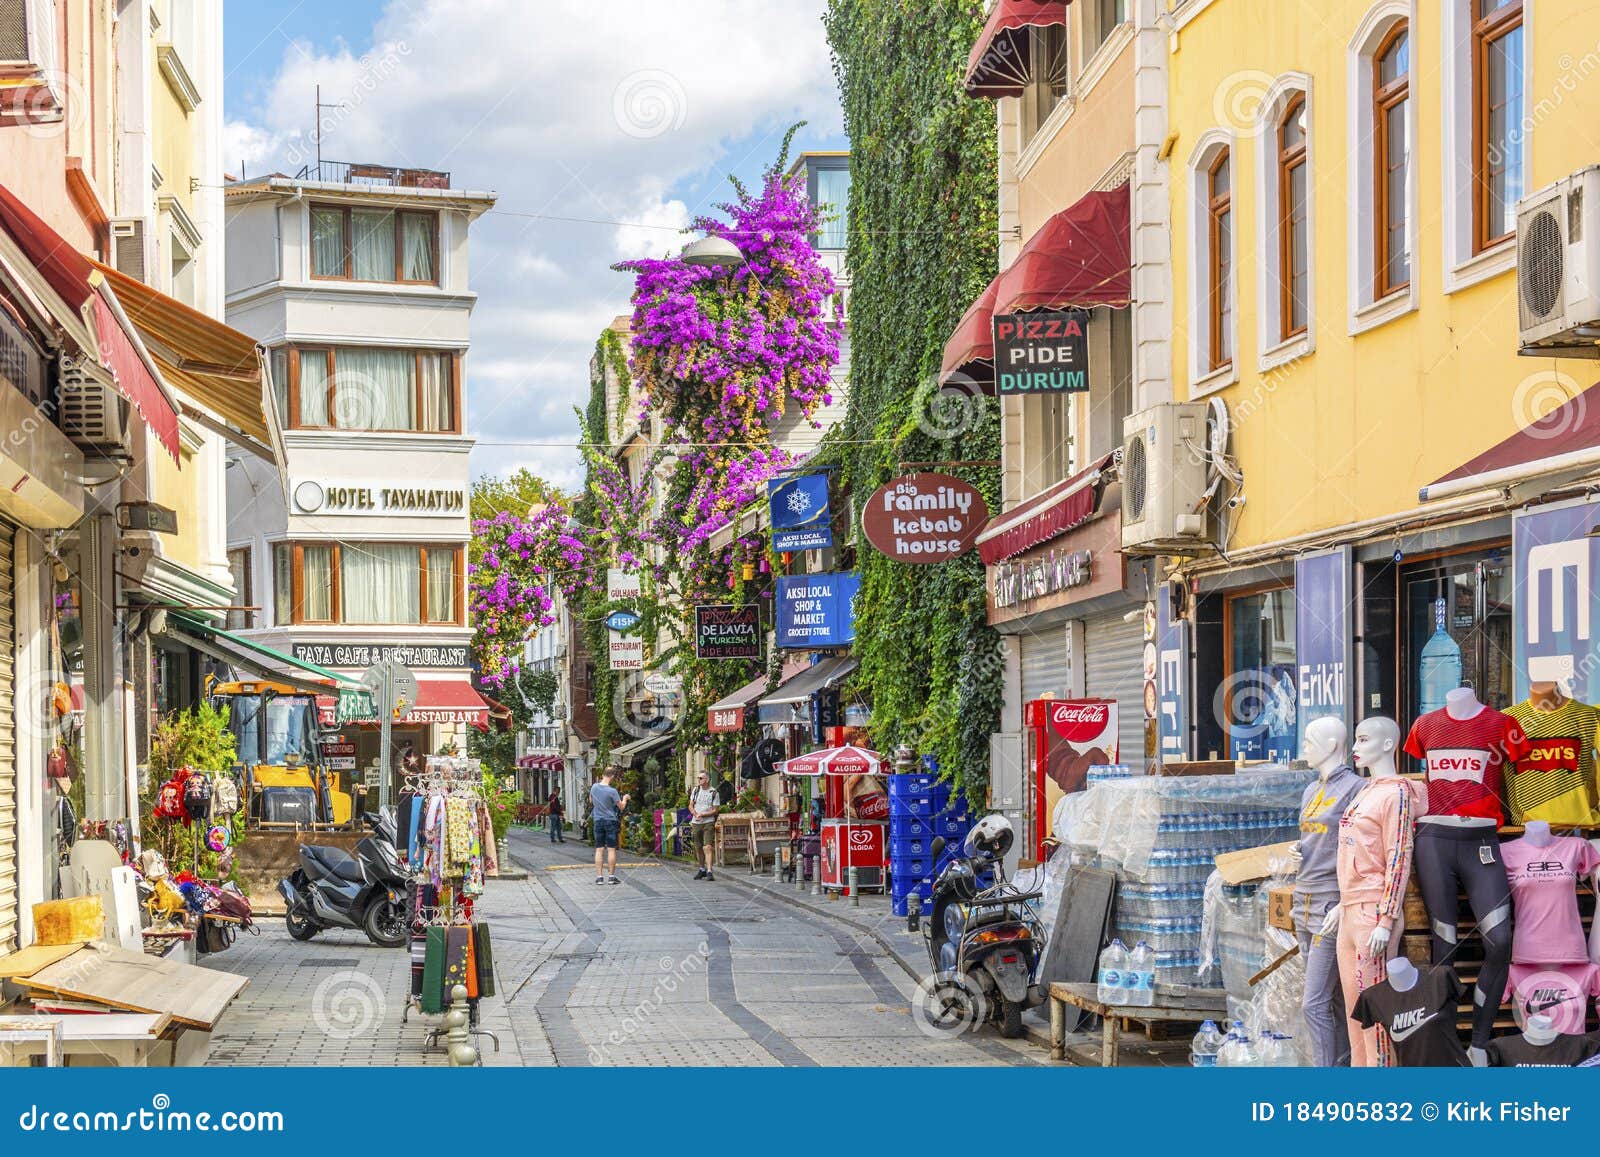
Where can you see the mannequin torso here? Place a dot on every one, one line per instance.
(1461, 704)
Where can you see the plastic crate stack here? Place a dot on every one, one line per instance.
(1160, 896)
(920, 808)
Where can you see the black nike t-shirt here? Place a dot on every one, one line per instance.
(1566, 1051)
(1420, 1021)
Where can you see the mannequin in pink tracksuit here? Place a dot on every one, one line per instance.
(1374, 864)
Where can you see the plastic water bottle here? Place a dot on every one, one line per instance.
(1142, 966)
(1441, 663)
(1113, 969)
(1206, 1047)
(1232, 1048)
(1277, 1051)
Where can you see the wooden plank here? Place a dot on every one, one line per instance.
(135, 982)
(1251, 863)
(1082, 916)
(24, 963)
(115, 1026)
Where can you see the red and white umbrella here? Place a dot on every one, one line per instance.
(847, 760)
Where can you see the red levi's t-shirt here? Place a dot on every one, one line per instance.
(1464, 759)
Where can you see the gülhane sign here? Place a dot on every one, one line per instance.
(924, 518)
(1042, 352)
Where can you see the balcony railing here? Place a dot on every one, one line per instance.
(352, 173)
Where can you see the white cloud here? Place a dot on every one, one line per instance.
(568, 110)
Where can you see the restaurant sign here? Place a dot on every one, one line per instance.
(1022, 580)
(723, 632)
(1042, 352)
(429, 656)
(924, 518)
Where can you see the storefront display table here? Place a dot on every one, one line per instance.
(1193, 1008)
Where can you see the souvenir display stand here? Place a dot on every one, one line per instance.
(447, 842)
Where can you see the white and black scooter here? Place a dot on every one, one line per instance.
(333, 889)
(984, 937)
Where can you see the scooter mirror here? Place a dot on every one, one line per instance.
(938, 847)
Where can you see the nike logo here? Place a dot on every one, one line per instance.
(1405, 1025)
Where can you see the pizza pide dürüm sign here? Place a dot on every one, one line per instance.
(924, 518)
(726, 632)
(1042, 352)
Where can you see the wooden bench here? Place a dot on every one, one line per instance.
(1193, 1008)
(733, 835)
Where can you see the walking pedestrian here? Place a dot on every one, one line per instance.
(607, 806)
(556, 814)
(703, 808)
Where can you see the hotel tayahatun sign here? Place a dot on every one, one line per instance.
(311, 496)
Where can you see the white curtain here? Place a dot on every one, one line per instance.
(441, 585)
(327, 242)
(316, 584)
(437, 392)
(376, 389)
(379, 583)
(314, 388)
(373, 246)
(416, 233)
(283, 584)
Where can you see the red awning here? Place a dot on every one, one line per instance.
(1067, 504)
(1079, 258)
(85, 292)
(999, 64)
(1564, 441)
(970, 351)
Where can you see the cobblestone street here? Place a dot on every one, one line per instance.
(662, 970)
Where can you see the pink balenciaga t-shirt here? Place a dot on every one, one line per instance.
(1544, 899)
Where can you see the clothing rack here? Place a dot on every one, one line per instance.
(446, 942)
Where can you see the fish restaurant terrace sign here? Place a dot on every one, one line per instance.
(924, 518)
(1042, 352)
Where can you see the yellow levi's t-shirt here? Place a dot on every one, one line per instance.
(1556, 781)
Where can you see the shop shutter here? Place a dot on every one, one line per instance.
(1046, 665)
(1114, 669)
(8, 754)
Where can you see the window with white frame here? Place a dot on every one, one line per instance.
(1101, 18)
(1286, 308)
(1047, 80)
(1382, 189)
(1213, 292)
(1485, 67)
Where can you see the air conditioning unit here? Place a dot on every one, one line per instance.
(1164, 476)
(128, 247)
(93, 414)
(1558, 268)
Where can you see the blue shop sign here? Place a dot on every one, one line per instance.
(817, 610)
(1556, 554)
(1323, 636)
(622, 620)
(798, 506)
(1172, 703)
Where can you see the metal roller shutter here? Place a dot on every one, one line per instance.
(1046, 665)
(1114, 669)
(8, 753)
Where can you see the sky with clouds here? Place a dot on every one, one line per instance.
(603, 128)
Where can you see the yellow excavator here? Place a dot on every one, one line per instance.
(286, 785)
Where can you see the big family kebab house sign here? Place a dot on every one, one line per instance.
(924, 518)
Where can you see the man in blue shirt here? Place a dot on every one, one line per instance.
(606, 808)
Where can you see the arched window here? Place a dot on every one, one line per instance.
(1219, 216)
(1294, 273)
(1391, 89)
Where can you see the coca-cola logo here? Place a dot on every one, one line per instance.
(872, 807)
(1080, 722)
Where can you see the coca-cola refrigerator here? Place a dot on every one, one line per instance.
(857, 844)
(1065, 738)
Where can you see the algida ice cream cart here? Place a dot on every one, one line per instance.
(855, 814)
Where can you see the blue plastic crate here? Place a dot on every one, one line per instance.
(920, 806)
(910, 847)
(900, 906)
(919, 866)
(904, 885)
(904, 827)
(916, 784)
(948, 825)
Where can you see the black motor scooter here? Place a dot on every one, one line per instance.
(984, 937)
(333, 889)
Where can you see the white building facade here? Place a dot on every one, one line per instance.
(355, 279)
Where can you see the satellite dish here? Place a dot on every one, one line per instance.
(1219, 429)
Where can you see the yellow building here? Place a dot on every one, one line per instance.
(1344, 194)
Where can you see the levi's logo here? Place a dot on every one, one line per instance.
(1458, 763)
(1550, 755)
